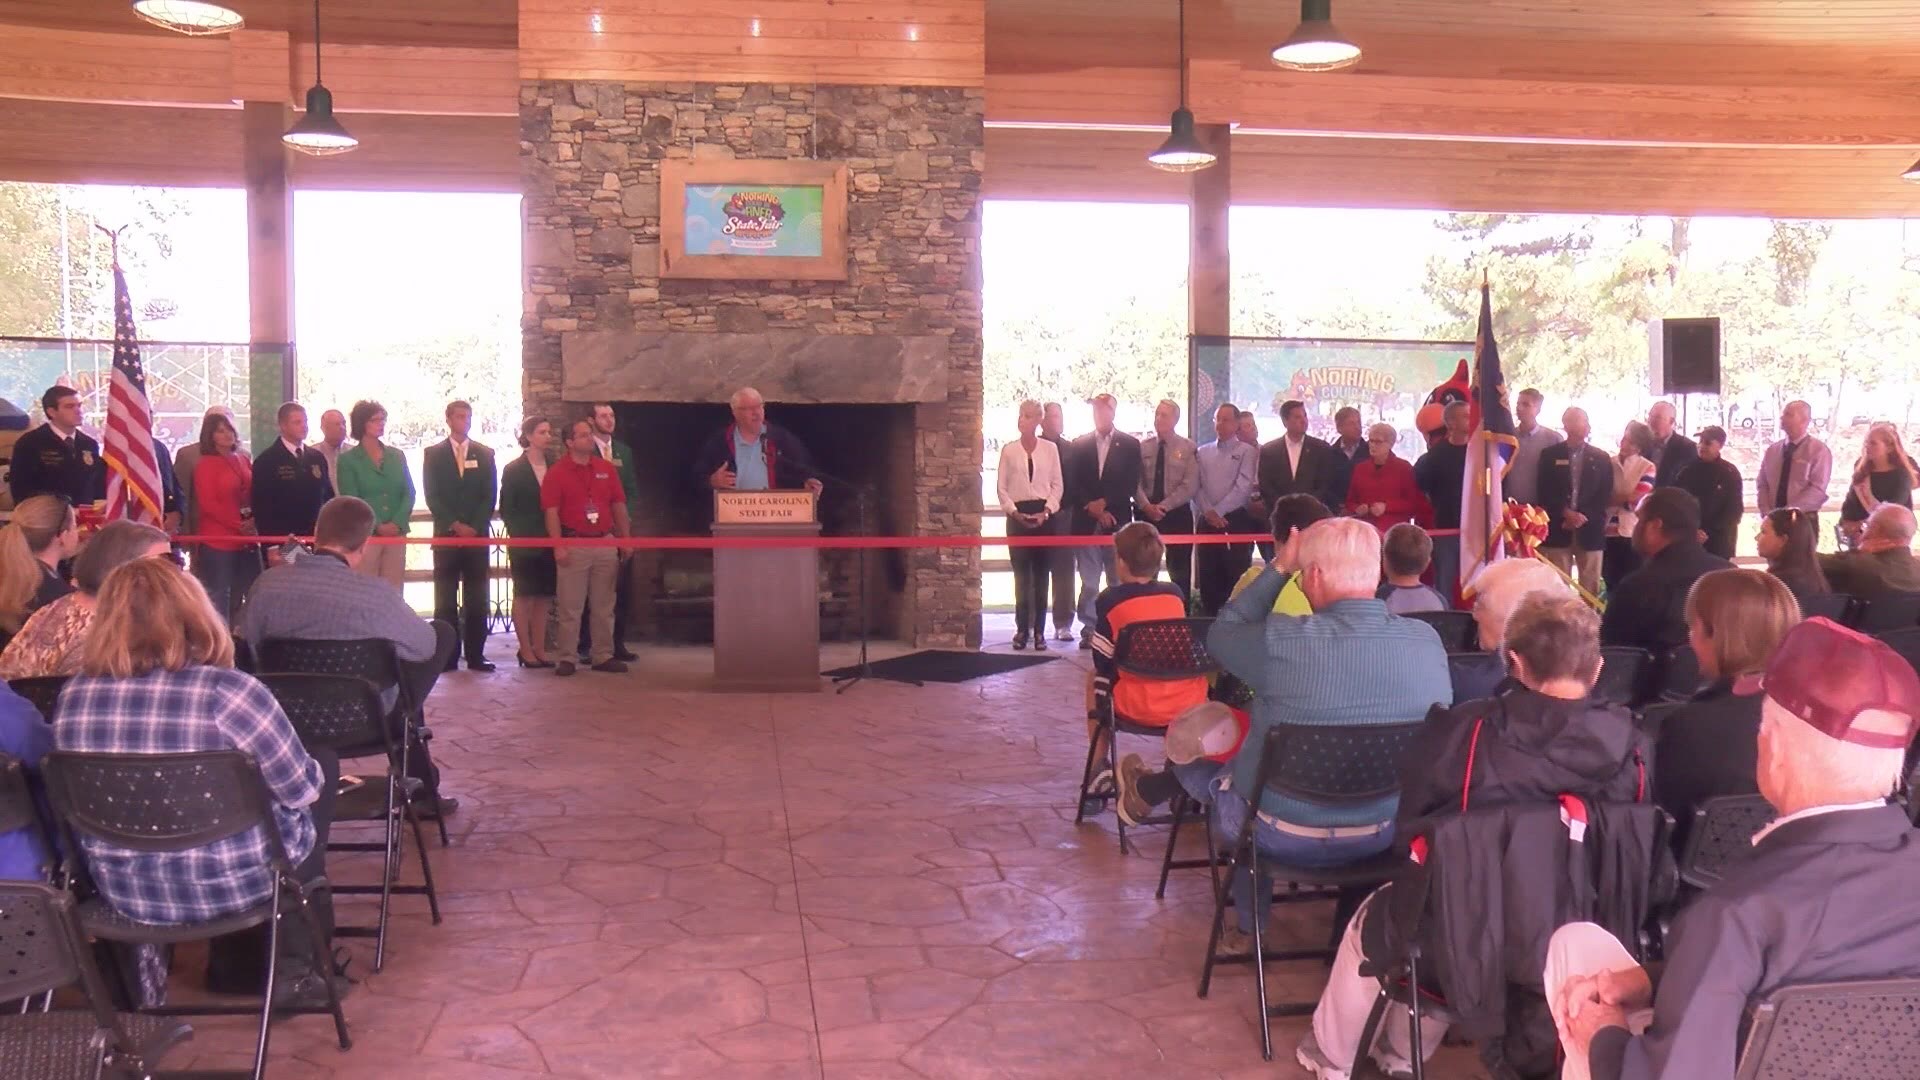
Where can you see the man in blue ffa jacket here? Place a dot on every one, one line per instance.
(57, 458)
(290, 482)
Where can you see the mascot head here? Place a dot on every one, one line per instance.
(1432, 418)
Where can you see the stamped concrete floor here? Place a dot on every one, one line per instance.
(647, 880)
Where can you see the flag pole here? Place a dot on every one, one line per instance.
(113, 236)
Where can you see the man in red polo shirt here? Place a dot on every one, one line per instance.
(583, 498)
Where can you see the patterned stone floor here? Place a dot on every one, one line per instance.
(647, 880)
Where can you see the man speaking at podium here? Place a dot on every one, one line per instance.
(753, 455)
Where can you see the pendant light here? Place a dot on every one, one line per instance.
(317, 132)
(1183, 152)
(1315, 45)
(191, 17)
(1912, 173)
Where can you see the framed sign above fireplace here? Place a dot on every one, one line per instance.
(753, 220)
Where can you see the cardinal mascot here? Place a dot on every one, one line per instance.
(1432, 418)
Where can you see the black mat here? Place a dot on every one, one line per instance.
(942, 666)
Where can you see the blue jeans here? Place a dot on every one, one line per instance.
(1249, 902)
(227, 576)
(1092, 562)
(1197, 778)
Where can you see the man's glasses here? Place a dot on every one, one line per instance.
(174, 556)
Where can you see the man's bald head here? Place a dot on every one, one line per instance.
(1891, 525)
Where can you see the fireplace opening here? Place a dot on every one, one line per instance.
(855, 446)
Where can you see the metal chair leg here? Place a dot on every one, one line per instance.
(1213, 941)
(273, 971)
(1086, 776)
(1413, 996)
(1173, 838)
(1371, 1030)
(1260, 958)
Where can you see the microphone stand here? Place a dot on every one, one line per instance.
(863, 495)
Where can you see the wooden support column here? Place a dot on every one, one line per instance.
(1209, 269)
(273, 377)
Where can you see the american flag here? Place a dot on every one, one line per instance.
(1489, 454)
(133, 476)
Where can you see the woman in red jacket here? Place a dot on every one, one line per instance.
(223, 506)
(1381, 490)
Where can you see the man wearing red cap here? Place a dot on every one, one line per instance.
(1822, 898)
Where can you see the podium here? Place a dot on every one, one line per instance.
(766, 601)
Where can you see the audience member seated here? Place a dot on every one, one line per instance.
(1139, 595)
(51, 640)
(157, 677)
(1404, 557)
(1200, 743)
(1495, 592)
(1543, 739)
(1352, 662)
(1883, 563)
(26, 737)
(1708, 746)
(39, 536)
(1820, 899)
(1788, 539)
(1291, 516)
(1648, 610)
(324, 597)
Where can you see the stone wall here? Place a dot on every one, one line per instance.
(590, 154)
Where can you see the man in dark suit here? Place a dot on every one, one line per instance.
(1717, 483)
(1296, 463)
(57, 458)
(1672, 451)
(290, 482)
(462, 487)
(1574, 487)
(1102, 471)
(1648, 609)
(1350, 447)
(1053, 423)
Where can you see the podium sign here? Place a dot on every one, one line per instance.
(764, 508)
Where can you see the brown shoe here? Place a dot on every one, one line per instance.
(564, 667)
(611, 667)
(1130, 807)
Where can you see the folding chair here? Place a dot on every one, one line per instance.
(174, 803)
(1860, 1030)
(1722, 835)
(1149, 650)
(1906, 642)
(1326, 766)
(1889, 611)
(45, 949)
(372, 659)
(43, 691)
(1624, 674)
(343, 713)
(1458, 631)
(1679, 678)
(1839, 607)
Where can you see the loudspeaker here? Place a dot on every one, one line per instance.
(1686, 356)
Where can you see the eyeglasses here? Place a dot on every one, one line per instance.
(174, 556)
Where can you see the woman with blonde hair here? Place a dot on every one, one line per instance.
(51, 641)
(40, 536)
(1885, 473)
(157, 676)
(1709, 746)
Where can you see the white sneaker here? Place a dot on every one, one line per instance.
(1311, 1059)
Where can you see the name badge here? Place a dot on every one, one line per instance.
(615, 462)
(467, 464)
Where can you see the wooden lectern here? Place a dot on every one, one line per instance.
(766, 601)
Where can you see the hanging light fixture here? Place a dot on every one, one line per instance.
(1912, 173)
(190, 17)
(317, 132)
(1316, 45)
(1183, 151)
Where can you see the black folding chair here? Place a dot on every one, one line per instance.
(175, 803)
(1839, 607)
(1889, 611)
(343, 713)
(1624, 674)
(1458, 631)
(1862, 1030)
(372, 659)
(44, 949)
(43, 691)
(1679, 674)
(1326, 766)
(1905, 642)
(1159, 650)
(1721, 836)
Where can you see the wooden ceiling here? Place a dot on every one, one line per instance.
(482, 24)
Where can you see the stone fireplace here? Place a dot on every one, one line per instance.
(878, 374)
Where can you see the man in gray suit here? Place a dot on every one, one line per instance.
(1820, 899)
(321, 597)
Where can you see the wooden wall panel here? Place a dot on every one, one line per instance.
(420, 153)
(480, 24)
(79, 65)
(1110, 166)
(408, 79)
(79, 143)
(860, 42)
(262, 65)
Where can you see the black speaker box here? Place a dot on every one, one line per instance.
(1685, 355)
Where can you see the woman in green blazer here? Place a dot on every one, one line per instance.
(378, 473)
(534, 571)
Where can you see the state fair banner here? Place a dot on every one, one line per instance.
(1388, 381)
(770, 220)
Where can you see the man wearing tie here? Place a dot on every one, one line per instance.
(462, 488)
(1220, 506)
(1169, 478)
(1795, 470)
(1297, 463)
(290, 482)
(57, 458)
(1053, 423)
(1102, 472)
(620, 456)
